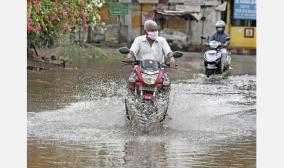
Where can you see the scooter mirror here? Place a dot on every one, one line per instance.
(124, 50)
(202, 37)
(227, 38)
(177, 54)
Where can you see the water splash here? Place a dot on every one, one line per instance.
(206, 120)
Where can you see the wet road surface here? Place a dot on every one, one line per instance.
(76, 118)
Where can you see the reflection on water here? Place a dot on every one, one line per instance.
(76, 119)
(142, 152)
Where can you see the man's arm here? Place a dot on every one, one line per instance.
(133, 50)
(227, 42)
(130, 57)
(169, 54)
(171, 60)
(212, 37)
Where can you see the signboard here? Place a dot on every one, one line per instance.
(193, 2)
(149, 1)
(210, 3)
(249, 33)
(201, 2)
(117, 8)
(187, 8)
(176, 1)
(245, 9)
(125, 1)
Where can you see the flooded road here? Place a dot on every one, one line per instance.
(76, 118)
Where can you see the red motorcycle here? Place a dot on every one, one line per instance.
(148, 92)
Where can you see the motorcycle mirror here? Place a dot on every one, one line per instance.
(227, 38)
(177, 54)
(164, 65)
(124, 50)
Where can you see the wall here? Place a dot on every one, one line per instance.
(237, 33)
(238, 39)
(212, 16)
(131, 23)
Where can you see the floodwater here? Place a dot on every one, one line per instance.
(76, 118)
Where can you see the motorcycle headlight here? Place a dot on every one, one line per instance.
(149, 79)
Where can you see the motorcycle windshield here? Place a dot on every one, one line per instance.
(150, 65)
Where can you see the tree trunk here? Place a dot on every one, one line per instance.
(83, 34)
(90, 35)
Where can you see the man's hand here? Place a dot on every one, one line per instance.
(172, 63)
(171, 60)
(129, 58)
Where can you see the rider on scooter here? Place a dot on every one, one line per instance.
(221, 36)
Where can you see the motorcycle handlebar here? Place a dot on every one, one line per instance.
(138, 63)
(221, 45)
(131, 62)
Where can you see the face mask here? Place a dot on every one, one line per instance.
(220, 29)
(153, 35)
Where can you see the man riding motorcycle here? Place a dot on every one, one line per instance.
(221, 36)
(151, 44)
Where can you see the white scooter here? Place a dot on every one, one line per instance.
(214, 62)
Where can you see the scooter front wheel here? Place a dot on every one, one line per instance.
(220, 67)
(208, 72)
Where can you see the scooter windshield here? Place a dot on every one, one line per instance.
(150, 65)
(214, 44)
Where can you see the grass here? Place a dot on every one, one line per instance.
(72, 50)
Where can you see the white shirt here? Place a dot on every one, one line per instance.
(142, 48)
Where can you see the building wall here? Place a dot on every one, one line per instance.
(191, 27)
(237, 33)
(211, 17)
(131, 25)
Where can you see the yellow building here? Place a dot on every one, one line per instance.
(241, 23)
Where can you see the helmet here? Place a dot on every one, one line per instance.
(220, 26)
